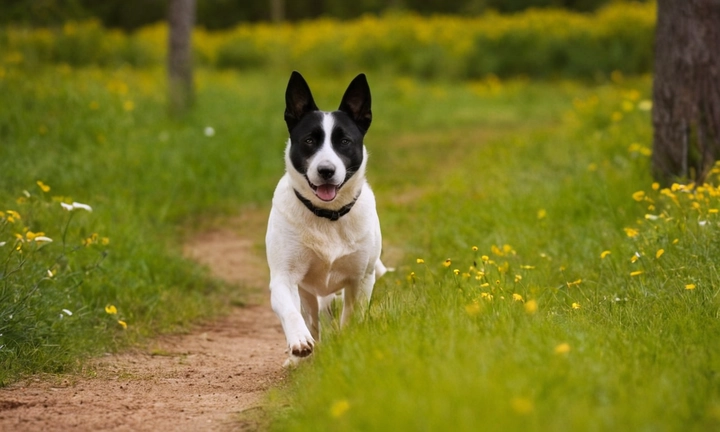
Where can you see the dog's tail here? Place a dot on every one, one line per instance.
(380, 269)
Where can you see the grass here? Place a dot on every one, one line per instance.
(533, 330)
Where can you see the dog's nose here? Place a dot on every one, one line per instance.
(326, 171)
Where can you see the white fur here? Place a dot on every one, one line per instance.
(326, 156)
(311, 258)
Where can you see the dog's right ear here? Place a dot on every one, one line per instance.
(298, 100)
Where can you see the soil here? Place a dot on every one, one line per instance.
(211, 379)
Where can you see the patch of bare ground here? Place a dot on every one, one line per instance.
(200, 381)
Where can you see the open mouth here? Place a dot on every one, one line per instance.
(326, 192)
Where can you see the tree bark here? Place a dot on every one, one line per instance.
(277, 11)
(181, 19)
(686, 90)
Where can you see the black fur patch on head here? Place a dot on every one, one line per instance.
(306, 138)
(298, 100)
(356, 102)
(347, 141)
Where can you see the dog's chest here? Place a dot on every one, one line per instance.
(332, 265)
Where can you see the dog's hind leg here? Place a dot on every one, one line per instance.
(309, 309)
(359, 292)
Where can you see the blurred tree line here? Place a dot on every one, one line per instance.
(218, 14)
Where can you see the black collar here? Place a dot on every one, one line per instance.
(333, 215)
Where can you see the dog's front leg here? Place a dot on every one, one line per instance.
(285, 300)
(357, 293)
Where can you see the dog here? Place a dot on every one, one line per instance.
(323, 236)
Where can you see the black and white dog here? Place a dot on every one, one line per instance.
(323, 233)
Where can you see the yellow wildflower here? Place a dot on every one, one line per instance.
(123, 324)
(447, 262)
(631, 232)
(420, 261)
(531, 307)
(518, 297)
(659, 253)
(639, 196)
(43, 186)
(112, 310)
(575, 305)
(473, 308)
(605, 254)
(338, 408)
(636, 273)
(541, 214)
(690, 286)
(518, 278)
(30, 236)
(562, 348)
(474, 248)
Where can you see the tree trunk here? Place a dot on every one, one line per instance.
(277, 11)
(686, 90)
(181, 19)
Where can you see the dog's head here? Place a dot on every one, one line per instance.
(325, 156)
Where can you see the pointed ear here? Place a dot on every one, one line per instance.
(298, 100)
(356, 102)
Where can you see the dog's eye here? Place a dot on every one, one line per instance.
(345, 142)
(309, 141)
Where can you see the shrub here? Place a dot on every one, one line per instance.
(538, 43)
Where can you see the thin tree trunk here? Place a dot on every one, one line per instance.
(181, 19)
(277, 11)
(686, 90)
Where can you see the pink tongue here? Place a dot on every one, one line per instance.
(326, 192)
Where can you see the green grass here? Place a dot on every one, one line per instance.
(541, 177)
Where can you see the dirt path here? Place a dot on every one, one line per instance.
(199, 381)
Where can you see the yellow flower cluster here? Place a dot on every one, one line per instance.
(456, 46)
(688, 211)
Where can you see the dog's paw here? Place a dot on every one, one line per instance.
(298, 353)
(301, 344)
(302, 349)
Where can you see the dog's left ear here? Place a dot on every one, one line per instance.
(356, 102)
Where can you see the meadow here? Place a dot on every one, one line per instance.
(543, 280)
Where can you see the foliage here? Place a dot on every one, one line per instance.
(216, 14)
(536, 43)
